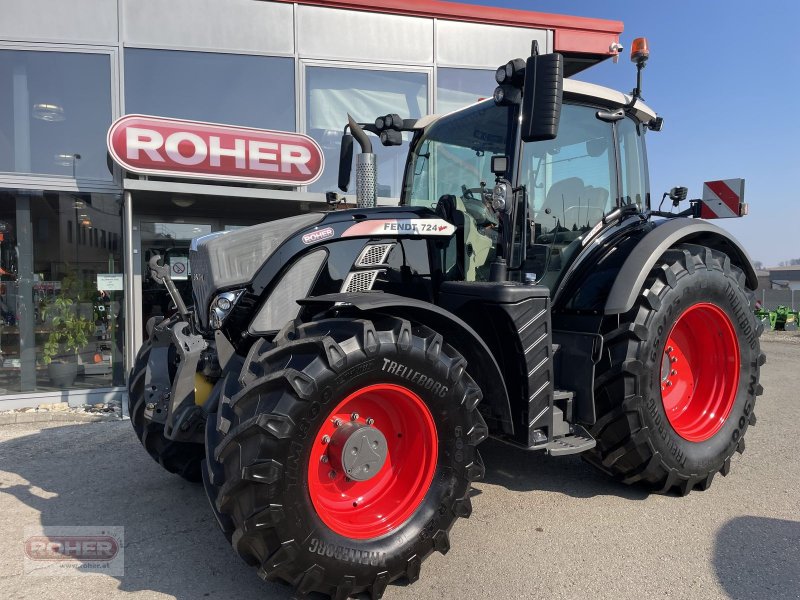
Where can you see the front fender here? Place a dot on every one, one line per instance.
(481, 363)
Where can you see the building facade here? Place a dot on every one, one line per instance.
(76, 231)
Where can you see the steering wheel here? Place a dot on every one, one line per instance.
(477, 207)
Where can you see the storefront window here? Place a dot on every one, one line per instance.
(456, 88)
(365, 94)
(55, 109)
(254, 91)
(61, 297)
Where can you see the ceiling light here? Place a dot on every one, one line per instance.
(64, 159)
(182, 201)
(48, 112)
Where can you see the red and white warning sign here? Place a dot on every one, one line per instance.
(723, 199)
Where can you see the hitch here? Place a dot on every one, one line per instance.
(160, 273)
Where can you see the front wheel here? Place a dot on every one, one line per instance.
(181, 458)
(676, 387)
(344, 454)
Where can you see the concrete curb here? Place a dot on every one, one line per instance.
(50, 417)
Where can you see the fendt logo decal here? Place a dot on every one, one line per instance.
(180, 148)
(395, 227)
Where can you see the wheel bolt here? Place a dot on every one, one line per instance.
(370, 421)
(337, 422)
(673, 372)
(332, 474)
(674, 359)
(325, 439)
(323, 458)
(669, 349)
(669, 383)
(354, 417)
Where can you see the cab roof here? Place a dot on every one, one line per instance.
(581, 91)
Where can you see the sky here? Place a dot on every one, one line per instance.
(725, 75)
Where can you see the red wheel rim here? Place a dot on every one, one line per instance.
(368, 509)
(700, 372)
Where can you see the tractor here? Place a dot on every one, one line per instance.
(337, 370)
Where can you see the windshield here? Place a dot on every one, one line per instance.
(454, 154)
(449, 169)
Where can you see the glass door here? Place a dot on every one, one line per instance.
(171, 241)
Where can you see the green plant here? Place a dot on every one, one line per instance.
(69, 332)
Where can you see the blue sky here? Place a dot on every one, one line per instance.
(725, 76)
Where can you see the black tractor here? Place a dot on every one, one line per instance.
(338, 369)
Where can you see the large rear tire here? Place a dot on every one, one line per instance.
(676, 387)
(315, 519)
(181, 458)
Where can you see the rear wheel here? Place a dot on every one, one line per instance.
(677, 384)
(344, 454)
(181, 458)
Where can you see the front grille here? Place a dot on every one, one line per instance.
(374, 255)
(360, 281)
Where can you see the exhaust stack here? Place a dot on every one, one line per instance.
(366, 168)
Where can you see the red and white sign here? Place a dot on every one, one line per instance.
(398, 227)
(180, 148)
(723, 199)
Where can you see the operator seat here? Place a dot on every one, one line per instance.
(562, 194)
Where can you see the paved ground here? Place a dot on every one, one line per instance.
(542, 527)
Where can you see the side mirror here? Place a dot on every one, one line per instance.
(345, 161)
(542, 96)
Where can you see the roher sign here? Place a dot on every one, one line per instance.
(178, 148)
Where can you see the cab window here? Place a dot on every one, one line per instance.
(632, 162)
(571, 183)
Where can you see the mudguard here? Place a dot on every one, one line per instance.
(481, 363)
(667, 234)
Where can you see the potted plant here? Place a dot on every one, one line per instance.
(68, 334)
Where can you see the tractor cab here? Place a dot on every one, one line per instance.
(562, 188)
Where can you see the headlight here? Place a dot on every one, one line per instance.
(499, 196)
(221, 307)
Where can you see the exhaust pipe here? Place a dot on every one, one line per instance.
(366, 168)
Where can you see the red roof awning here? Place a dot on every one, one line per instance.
(587, 40)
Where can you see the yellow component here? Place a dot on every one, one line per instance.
(202, 389)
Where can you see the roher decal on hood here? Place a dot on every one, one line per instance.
(180, 148)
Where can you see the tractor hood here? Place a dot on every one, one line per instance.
(229, 259)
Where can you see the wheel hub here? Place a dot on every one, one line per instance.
(373, 460)
(358, 451)
(700, 372)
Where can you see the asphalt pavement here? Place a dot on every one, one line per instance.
(541, 527)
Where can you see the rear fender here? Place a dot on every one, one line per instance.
(651, 247)
(481, 363)
(610, 272)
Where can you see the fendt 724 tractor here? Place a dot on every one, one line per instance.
(338, 369)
